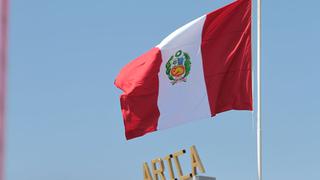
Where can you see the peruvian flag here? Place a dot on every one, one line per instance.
(198, 71)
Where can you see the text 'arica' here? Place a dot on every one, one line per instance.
(158, 167)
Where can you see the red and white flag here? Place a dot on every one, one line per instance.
(198, 71)
(3, 57)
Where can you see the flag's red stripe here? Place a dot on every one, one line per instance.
(226, 53)
(140, 82)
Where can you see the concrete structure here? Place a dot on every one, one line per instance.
(202, 178)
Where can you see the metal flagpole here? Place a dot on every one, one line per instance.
(3, 62)
(259, 127)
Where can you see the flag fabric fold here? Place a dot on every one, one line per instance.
(198, 71)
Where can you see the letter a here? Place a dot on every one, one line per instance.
(195, 161)
(146, 172)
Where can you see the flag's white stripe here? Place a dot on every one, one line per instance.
(183, 101)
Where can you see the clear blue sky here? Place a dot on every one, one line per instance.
(64, 120)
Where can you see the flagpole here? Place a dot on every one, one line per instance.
(259, 126)
(3, 64)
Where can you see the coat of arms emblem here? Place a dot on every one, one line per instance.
(178, 67)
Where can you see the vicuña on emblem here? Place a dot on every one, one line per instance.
(178, 67)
